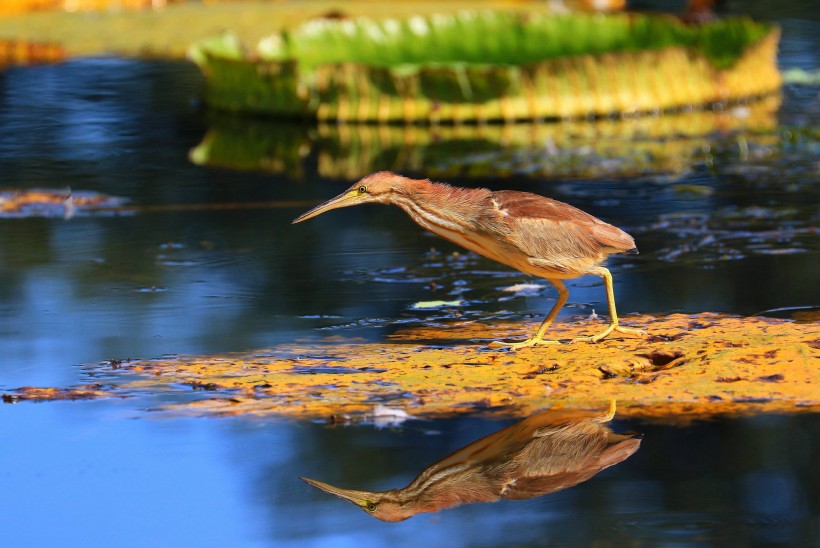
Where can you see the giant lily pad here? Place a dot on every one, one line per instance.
(490, 66)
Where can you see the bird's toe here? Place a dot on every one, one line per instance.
(608, 331)
(631, 331)
(529, 343)
(592, 339)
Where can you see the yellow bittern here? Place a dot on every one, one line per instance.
(531, 233)
(544, 453)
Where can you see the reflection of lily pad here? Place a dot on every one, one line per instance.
(490, 66)
(19, 52)
(612, 147)
(678, 373)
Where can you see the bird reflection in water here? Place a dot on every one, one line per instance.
(547, 452)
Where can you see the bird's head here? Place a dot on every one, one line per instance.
(381, 505)
(375, 188)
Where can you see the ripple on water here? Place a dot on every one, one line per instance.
(674, 527)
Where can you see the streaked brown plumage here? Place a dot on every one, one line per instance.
(528, 232)
(544, 453)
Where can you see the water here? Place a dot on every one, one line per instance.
(726, 230)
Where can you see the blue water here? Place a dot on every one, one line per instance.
(93, 473)
(161, 279)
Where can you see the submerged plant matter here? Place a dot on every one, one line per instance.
(490, 66)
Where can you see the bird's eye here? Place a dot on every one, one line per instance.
(362, 190)
(371, 506)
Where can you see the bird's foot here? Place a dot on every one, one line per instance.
(605, 333)
(529, 343)
(631, 331)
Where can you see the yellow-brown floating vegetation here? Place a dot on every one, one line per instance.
(35, 393)
(48, 202)
(689, 367)
(487, 66)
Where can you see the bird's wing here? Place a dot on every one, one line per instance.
(527, 488)
(543, 227)
(534, 483)
(503, 442)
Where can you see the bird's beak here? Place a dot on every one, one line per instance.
(359, 498)
(344, 199)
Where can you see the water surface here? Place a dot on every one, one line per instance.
(733, 231)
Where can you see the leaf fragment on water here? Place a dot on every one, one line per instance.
(424, 305)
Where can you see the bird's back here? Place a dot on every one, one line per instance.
(531, 233)
(528, 207)
(557, 237)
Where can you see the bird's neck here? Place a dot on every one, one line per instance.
(437, 488)
(438, 207)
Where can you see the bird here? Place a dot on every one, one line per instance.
(546, 452)
(529, 232)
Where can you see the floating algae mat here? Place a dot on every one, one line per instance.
(490, 66)
(48, 202)
(689, 367)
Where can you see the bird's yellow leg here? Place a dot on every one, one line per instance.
(613, 314)
(538, 338)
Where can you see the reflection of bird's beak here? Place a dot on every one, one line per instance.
(356, 497)
(342, 200)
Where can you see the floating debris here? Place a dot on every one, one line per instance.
(65, 203)
(522, 290)
(732, 233)
(801, 77)
(35, 393)
(389, 417)
(427, 305)
(697, 190)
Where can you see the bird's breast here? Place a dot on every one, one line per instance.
(492, 248)
(505, 253)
